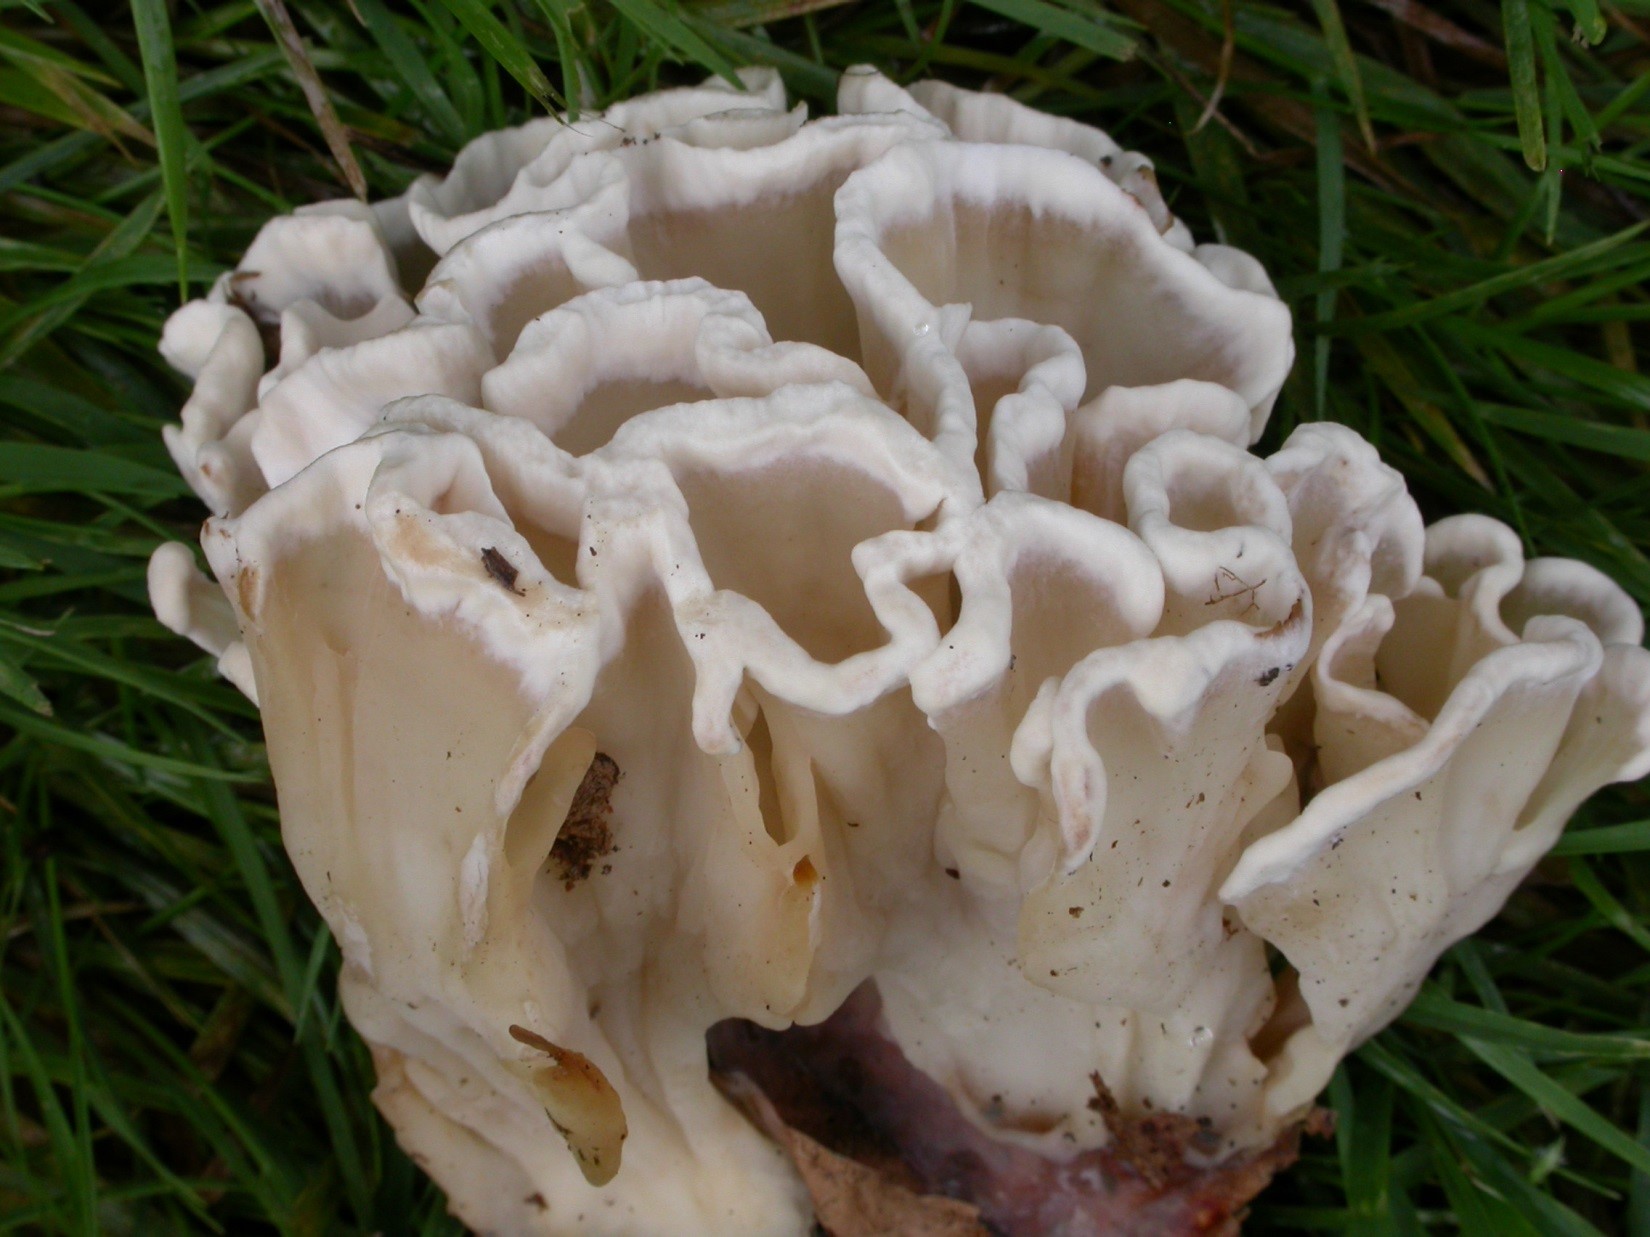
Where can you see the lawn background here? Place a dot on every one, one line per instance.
(1449, 194)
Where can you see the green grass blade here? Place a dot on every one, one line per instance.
(1625, 100)
(1363, 1134)
(1607, 904)
(1435, 1010)
(1623, 441)
(1564, 99)
(79, 1181)
(1477, 1209)
(1589, 17)
(160, 74)
(44, 468)
(83, 1193)
(1331, 186)
(1346, 65)
(21, 688)
(409, 63)
(1558, 1101)
(109, 748)
(567, 55)
(503, 46)
(307, 996)
(1551, 1217)
(1086, 31)
(657, 23)
(801, 74)
(1526, 92)
(1638, 1199)
(1628, 389)
(1607, 840)
(1521, 278)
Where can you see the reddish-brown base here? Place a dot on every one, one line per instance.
(882, 1147)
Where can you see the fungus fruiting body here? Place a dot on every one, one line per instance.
(705, 571)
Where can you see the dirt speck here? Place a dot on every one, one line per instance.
(501, 569)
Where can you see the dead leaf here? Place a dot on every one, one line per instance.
(320, 103)
(852, 1199)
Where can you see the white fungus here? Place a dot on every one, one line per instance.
(769, 554)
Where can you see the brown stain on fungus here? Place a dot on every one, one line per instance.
(584, 836)
(244, 297)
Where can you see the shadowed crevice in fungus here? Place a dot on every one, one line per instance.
(1008, 260)
(607, 407)
(784, 537)
(777, 251)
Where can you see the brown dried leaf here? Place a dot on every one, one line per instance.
(1440, 29)
(852, 1199)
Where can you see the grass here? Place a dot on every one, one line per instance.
(1451, 195)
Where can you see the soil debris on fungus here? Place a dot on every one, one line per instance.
(1155, 1146)
(1164, 1149)
(501, 569)
(584, 836)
